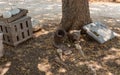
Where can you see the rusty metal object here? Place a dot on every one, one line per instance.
(59, 37)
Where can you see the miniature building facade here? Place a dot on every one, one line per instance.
(17, 31)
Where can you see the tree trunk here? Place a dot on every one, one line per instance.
(75, 14)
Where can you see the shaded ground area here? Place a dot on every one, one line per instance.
(37, 56)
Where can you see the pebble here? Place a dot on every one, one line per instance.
(67, 52)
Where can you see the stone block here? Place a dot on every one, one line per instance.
(99, 32)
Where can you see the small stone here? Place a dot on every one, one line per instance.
(36, 24)
(59, 50)
(67, 52)
(68, 45)
(74, 35)
(78, 46)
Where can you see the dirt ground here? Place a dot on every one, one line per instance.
(37, 56)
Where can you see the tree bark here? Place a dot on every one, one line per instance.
(75, 14)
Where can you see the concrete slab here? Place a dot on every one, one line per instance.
(99, 32)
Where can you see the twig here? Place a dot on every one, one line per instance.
(83, 54)
(80, 50)
(61, 63)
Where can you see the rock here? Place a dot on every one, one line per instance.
(15, 11)
(67, 52)
(74, 35)
(36, 25)
(78, 46)
(99, 32)
(7, 14)
(59, 50)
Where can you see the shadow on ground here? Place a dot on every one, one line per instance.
(37, 56)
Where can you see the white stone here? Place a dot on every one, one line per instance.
(99, 32)
(59, 50)
(15, 11)
(36, 24)
(7, 14)
(67, 52)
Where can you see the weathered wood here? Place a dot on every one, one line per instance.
(1, 44)
(17, 31)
